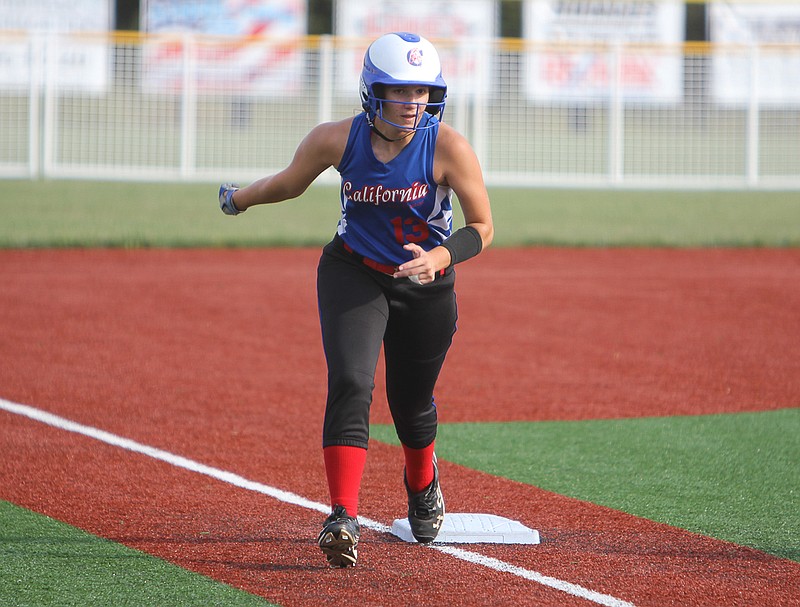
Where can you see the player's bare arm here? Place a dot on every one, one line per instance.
(457, 166)
(321, 148)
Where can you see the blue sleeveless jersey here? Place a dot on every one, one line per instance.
(385, 206)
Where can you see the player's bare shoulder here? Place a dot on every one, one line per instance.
(450, 141)
(327, 141)
(453, 153)
(321, 148)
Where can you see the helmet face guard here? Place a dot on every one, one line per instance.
(401, 59)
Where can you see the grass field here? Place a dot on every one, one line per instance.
(111, 214)
(729, 476)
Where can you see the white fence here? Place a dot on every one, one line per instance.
(209, 109)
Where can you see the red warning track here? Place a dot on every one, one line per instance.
(215, 356)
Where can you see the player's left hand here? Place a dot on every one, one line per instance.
(421, 269)
(226, 191)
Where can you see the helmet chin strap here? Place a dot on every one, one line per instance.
(375, 130)
(385, 138)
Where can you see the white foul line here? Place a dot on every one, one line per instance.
(298, 500)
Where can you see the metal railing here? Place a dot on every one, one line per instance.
(132, 107)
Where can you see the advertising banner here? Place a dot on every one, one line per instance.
(226, 45)
(585, 48)
(68, 34)
(756, 52)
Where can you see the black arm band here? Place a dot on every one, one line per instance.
(463, 244)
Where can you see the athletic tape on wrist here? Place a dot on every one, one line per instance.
(463, 244)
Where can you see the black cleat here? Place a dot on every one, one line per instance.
(339, 538)
(426, 509)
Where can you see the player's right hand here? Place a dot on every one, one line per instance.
(226, 191)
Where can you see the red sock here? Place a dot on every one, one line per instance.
(344, 467)
(419, 467)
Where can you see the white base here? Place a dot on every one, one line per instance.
(473, 529)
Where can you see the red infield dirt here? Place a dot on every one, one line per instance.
(215, 355)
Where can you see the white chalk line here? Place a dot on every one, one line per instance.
(298, 500)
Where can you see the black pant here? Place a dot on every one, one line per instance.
(360, 309)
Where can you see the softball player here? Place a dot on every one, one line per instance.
(387, 277)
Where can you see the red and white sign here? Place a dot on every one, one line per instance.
(587, 49)
(230, 46)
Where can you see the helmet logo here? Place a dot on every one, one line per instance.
(415, 56)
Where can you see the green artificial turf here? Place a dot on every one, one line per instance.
(733, 477)
(45, 562)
